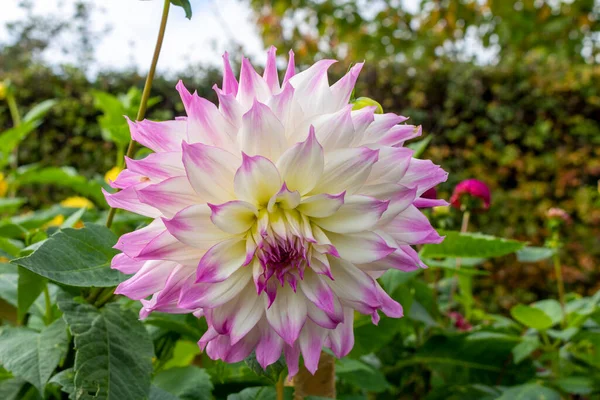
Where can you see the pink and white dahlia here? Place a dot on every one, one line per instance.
(274, 213)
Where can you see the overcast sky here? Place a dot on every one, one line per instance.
(134, 25)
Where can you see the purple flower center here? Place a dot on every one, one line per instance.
(282, 260)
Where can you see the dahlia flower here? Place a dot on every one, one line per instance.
(274, 213)
(472, 194)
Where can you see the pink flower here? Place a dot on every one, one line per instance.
(273, 213)
(558, 214)
(460, 322)
(469, 190)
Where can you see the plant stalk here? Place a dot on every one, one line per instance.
(16, 119)
(147, 88)
(279, 387)
(463, 229)
(48, 314)
(561, 287)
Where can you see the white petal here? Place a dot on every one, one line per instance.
(302, 165)
(193, 226)
(234, 216)
(257, 180)
(346, 169)
(287, 314)
(261, 133)
(210, 170)
(358, 213)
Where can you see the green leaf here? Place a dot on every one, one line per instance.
(30, 285)
(9, 283)
(11, 204)
(260, 393)
(157, 393)
(11, 388)
(420, 146)
(10, 247)
(39, 110)
(272, 372)
(9, 139)
(184, 354)
(185, 4)
(525, 348)
(361, 375)
(73, 218)
(114, 125)
(581, 385)
(551, 308)
(457, 244)
(114, 350)
(530, 391)
(393, 278)
(534, 254)
(33, 355)
(76, 257)
(65, 379)
(66, 177)
(186, 383)
(531, 317)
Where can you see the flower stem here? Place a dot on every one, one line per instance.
(16, 119)
(48, 314)
(561, 287)
(463, 228)
(147, 87)
(279, 388)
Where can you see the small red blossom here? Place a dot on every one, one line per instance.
(460, 322)
(467, 191)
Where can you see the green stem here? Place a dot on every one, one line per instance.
(48, 314)
(561, 287)
(147, 88)
(16, 119)
(463, 229)
(279, 388)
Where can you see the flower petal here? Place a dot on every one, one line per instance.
(169, 196)
(194, 227)
(287, 314)
(423, 174)
(412, 227)
(222, 260)
(360, 248)
(391, 166)
(211, 295)
(257, 180)
(341, 338)
(159, 136)
(261, 132)
(230, 84)
(321, 205)
(210, 171)
(311, 341)
(270, 73)
(148, 280)
(234, 217)
(127, 199)
(346, 169)
(358, 213)
(133, 242)
(252, 86)
(269, 347)
(302, 165)
(342, 89)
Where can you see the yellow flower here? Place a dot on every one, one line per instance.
(3, 185)
(77, 202)
(112, 174)
(56, 221)
(3, 90)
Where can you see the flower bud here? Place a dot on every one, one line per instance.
(558, 214)
(363, 102)
(471, 194)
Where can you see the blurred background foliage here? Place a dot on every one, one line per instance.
(509, 91)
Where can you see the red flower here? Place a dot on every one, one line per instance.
(467, 191)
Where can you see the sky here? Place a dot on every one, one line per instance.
(133, 29)
(134, 25)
